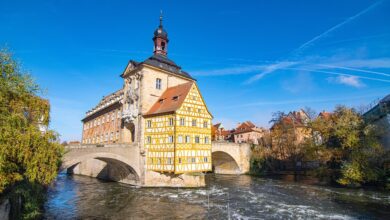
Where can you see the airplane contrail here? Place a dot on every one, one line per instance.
(357, 70)
(310, 42)
(348, 20)
(339, 74)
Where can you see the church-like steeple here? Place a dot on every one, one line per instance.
(160, 39)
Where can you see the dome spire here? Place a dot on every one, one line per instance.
(160, 39)
(161, 18)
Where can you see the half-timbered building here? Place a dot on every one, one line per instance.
(161, 109)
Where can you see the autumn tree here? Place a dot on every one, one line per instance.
(287, 137)
(29, 153)
(345, 141)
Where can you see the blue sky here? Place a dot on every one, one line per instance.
(251, 58)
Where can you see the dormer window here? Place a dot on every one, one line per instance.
(161, 101)
(158, 83)
(175, 98)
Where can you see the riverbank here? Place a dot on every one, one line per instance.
(23, 201)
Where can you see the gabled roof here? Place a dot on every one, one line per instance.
(170, 100)
(385, 99)
(246, 124)
(217, 126)
(325, 115)
(298, 118)
(160, 62)
(245, 127)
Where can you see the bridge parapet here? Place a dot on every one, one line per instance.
(77, 146)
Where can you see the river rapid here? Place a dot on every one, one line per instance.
(225, 197)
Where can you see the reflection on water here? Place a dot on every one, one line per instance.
(240, 197)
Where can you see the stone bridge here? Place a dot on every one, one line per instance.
(117, 162)
(125, 163)
(230, 158)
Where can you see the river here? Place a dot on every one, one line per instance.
(237, 197)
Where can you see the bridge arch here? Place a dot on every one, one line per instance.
(230, 158)
(104, 165)
(224, 163)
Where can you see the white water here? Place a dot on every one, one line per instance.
(234, 197)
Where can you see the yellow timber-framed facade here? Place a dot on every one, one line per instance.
(179, 141)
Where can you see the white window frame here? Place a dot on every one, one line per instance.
(158, 83)
(170, 139)
(180, 139)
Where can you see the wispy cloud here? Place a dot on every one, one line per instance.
(357, 70)
(269, 69)
(353, 81)
(300, 49)
(302, 82)
(301, 101)
(362, 63)
(309, 43)
(230, 71)
(351, 68)
(339, 74)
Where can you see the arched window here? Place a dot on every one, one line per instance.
(162, 45)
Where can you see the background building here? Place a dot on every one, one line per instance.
(247, 132)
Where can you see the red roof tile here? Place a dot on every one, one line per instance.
(170, 100)
(325, 115)
(244, 127)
